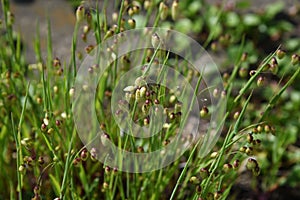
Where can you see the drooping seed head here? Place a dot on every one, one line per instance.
(227, 167)
(147, 4)
(194, 180)
(115, 171)
(41, 160)
(243, 149)
(56, 62)
(146, 121)
(204, 173)
(166, 142)
(236, 164)
(93, 154)
(214, 154)
(244, 57)
(174, 10)
(223, 94)
(172, 99)
(89, 18)
(84, 154)
(214, 46)
(107, 170)
(136, 9)
(140, 149)
(217, 195)
(155, 40)
(243, 72)
(251, 164)
(216, 93)
(280, 53)
(226, 76)
(50, 131)
(273, 68)
(252, 72)
(22, 169)
(163, 10)
(259, 128)
(295, 59)
(249, 151)
(198, 189)
(274, 61)
(172, 116)
(76, 162)
(59, 72)
(131, 23)
(115, 16)
(105, 185)
(257, 142)
(105, 138)
(36, 190)
(204, 112)
(43, 127)
(108, 34)
(72, 91)
(236, 115)
(256, 171)
(80, 13)
(267, 128)
(260, 81)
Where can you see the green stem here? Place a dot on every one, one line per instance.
(17, 137)
(67, 166)
(254, 77)
(182, 175)
(228, 137)
(73, 49)
(275, 98)
(120, 16)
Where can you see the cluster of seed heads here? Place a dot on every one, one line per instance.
(252, 141)
(83, 155)
(272, 66)
(131, 9)
(47, 125)
(144, 96)
(204, 174)
(251, 164)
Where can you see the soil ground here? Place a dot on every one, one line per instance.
(61, 14)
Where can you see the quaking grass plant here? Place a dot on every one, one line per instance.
(44, 158)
